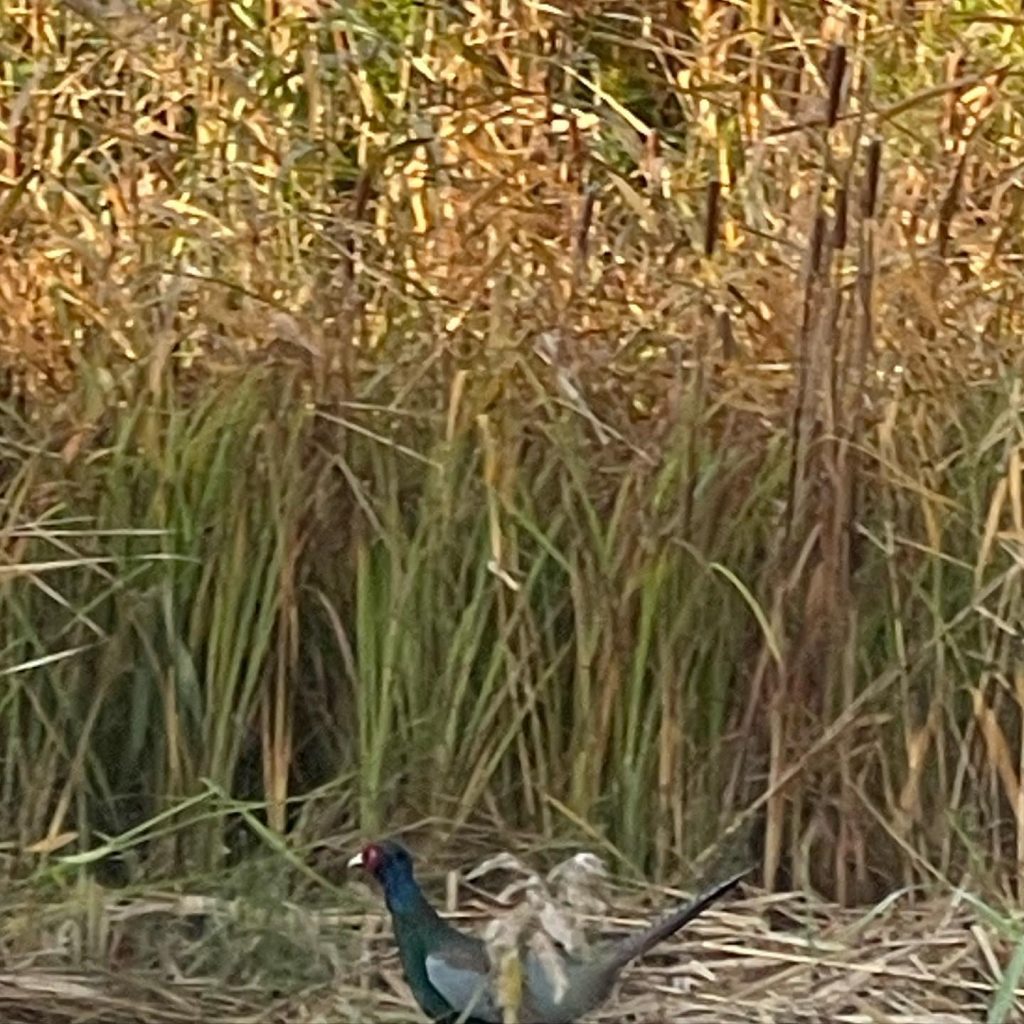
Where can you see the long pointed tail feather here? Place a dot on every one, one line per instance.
(637, 945)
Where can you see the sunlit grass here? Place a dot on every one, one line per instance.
(373, 430)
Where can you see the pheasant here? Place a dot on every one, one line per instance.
(451, 975)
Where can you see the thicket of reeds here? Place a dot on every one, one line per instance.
(598, 420)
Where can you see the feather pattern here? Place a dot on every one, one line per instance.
(452, 975)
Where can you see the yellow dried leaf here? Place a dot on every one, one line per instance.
(50, 844)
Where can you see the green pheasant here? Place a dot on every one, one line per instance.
(450, 972)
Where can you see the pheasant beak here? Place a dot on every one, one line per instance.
(371, 859)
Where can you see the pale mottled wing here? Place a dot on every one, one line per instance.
(462, 975)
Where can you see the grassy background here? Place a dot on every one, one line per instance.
(600, 421)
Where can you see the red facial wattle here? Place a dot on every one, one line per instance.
(373, 858)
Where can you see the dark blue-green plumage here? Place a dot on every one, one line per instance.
(449, 972)
(419, 931)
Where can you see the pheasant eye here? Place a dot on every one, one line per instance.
(373, 857)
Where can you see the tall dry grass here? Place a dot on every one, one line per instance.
(595, 420)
